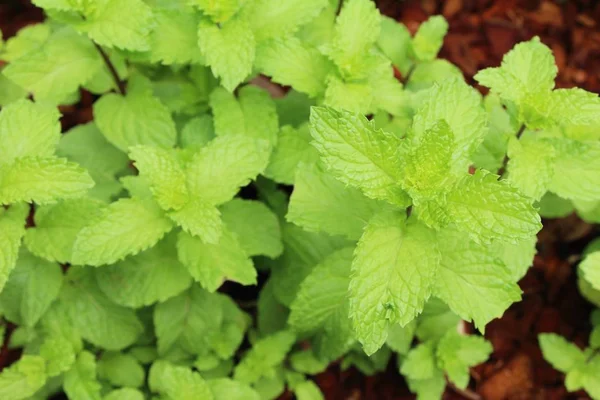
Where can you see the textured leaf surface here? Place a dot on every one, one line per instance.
(392, 276)
(80, 381)
(264, 356)
(22, 379)
(357, 154)
(457, 353)
(472, 281)
(228, 389)
(99, 320)
(126, 227)
(562, 354)
(429, 38)
(56, 227)
(200, 219)
(577, 165)
(59, 355)
(28, 129)
(12, 229)
(293, 147)
(319, 202)
(42, 180)
(174, 40)
(590, 267)
(530, 166)
(182, 383)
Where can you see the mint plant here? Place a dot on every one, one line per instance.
(413, 207)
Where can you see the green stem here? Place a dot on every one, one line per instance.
(409, 74)
(111, 68)
(505, 160)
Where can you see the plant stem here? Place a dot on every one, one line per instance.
(339, 7)
(113, 71)
(505, 160)
(409, 74)
(591, 356)
(468, 393)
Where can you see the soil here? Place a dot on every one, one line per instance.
(481, 32)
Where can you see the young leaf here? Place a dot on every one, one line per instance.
(530, 166)
(322, 203)
(23, 378)
(135, 119)
(28, 129)
(228, 49)
(42, 180)
(392, 276)
(59, 355)
(182, 383)
(28, 39)
(174, 40)
(472, 281)
(563, 355)
(80, 381)
(420, 362)
(162, 171)
(456, 353)
(219, 11)
(124, 394)
(200, 219)
(255, 226)
(121, 370)
(12, 229)
(590, 267)
(228, 389)
(99, 320)
(357, 154)
(57, 226)
(212, 264)
(429, 38)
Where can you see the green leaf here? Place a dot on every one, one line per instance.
(197, 132)
(121, 370)
(400, 338)
(319, 202)
(232, 331)
(357, 154)
(321, 305)
(201, 220)
(357, 29)
(436, 320)
(255, 226)
(219, 11)
(293, 148)
(420, 362)
(429, 38)
(228, 389)
(23, 378)
(12, 229)
(228, 49)
(308, 390)
(265, 355)
(212, 264)
(163, 172)
(457, 353)
(32, 286)
(553, 206)
(124, 394)
(124, 24)
(42, 180)
(354, 96)
(99, 320)
(590, 267)
(518, 257)
(124, 228)
(59, 355)
(276, 20)
(191, 320)
(28, 129)
(135, 119)
(56, 227)
(227, 163)
(460, 106)
(569, 107)
(154, 275)
(530, 166)
(80, 381)
(577, 165)
(489, 209)
(472, 280)
(174, 40)
(527, 70)
(307, 362)
(395, 42)
(392, 276)
(10, 92)
(51, 73)
(28, 39)
(561, 354)
(432, 388)
(272, 315)
(182, 383)
(291, 62)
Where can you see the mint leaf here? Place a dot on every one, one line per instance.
(472, 280)
(12, 229)
(59, 355)
(563, 355)
(392, 276)
(530, 166)
(42, 180)
(322, 203)
(23, 378)
(228, 389)
(358, 154)
(134, 225)
(219, 11)
(590, 267)
(228, 49)
(81, 381)
(121, 370)
(178, 382)
(174, 40)
(576, 164)
(456, 353)
(429, 38)
(420, 362)
(28, 39)
(124, 394)
(200, 219)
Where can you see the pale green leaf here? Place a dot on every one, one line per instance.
(395, 42)
(23, 378)
(255, 226)
(124, 394)
(200, 219)
(228, 49)
(429, 38)
(51, 73)
(174, 40)
(590, 267)
(436, 320)
(358, 154)
(489, 209)
(420, 362)
(134, 119)
(308, 390)
(124, 228)
(227, 163)
(530, 166)
(220, 11)
(354, 96)
(28, 129)
(400, 338)
(472, 281)
(28, 39)
(178, 382)
(80, 382)
(56, 227)
(12, 229)
(10, 91)
(560, 353)
(154, 275)
(163, 172)
(228, 389)
(392, 276)
(578, 170)
(212, 264)
(121, 370)
(518, 257)
(30, 290)
(456, 353)
(291, 62)
(319, 202)
(59, 355)
(265, 355)
(42, 180)
(426, 74)
(197, 132)
(99, 320)
(306, 362)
